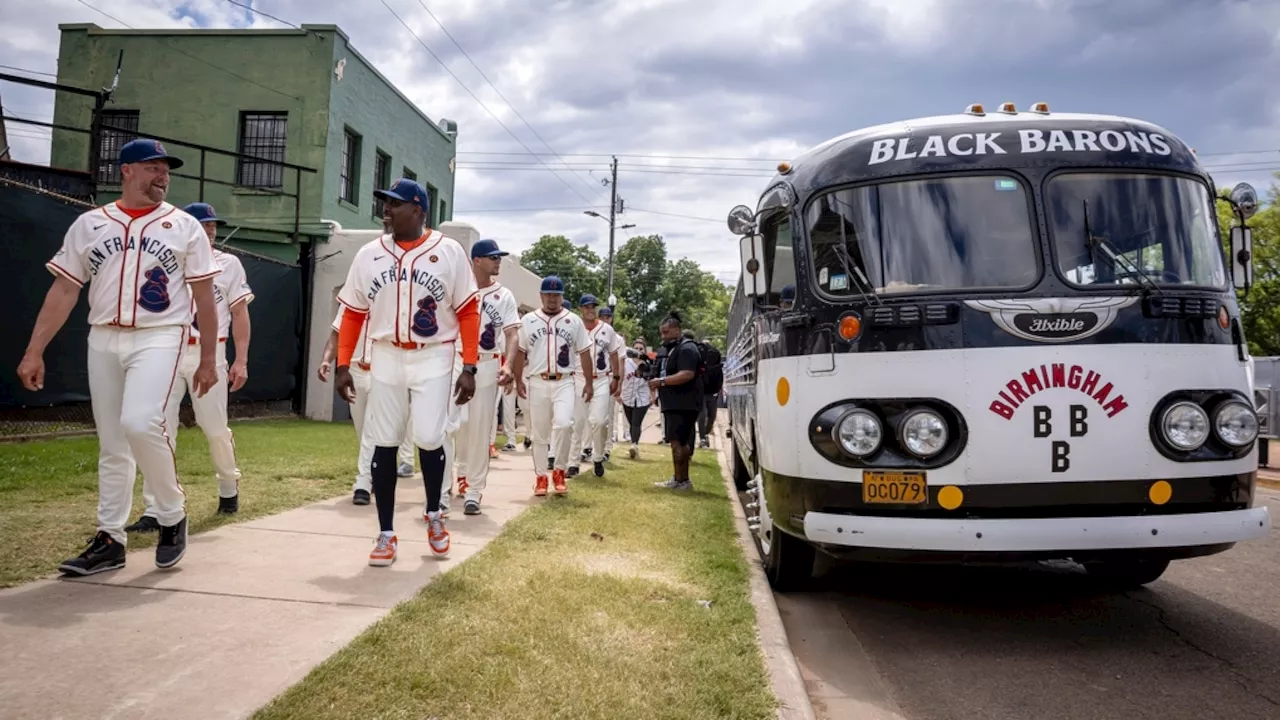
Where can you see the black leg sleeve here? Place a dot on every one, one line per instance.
(432, 475)
(383, 472)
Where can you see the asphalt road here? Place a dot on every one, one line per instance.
(1042, 643)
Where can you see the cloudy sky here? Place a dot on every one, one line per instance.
(699, 99)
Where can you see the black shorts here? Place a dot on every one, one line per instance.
(680, 425)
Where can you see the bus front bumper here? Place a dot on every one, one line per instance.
(1033, 535)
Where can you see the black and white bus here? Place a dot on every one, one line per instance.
(996, 335)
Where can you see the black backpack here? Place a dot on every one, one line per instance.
(711, 369)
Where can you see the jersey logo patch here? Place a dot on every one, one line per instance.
(563, 358)
(166, 225)
(424, 321)
(489, 337)
(153, 296)
(434, 258)
(600, 359)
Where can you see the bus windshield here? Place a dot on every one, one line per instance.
(1155, 225)
(955, 233)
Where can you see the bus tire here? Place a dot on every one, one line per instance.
(1127, 574)
(789, 564)
(741, 475)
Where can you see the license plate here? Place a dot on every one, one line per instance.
(895, 488)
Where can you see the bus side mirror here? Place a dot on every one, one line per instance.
(751, 251)
(1241, 257)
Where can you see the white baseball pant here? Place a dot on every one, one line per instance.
(410, 384)
(211, 416)
(550, 417)
(510, 423)
(476, 434)
(591, 421)
(128, 369)
(364, 480)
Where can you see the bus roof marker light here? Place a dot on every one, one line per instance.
(975, 109)
(1009, 108)
(784, 167)
(1040, 107)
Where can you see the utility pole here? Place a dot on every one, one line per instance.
(613, 211)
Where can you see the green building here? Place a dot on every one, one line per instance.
(303, 96)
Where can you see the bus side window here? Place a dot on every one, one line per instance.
(780, 259)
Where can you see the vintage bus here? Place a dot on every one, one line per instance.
(998, 335)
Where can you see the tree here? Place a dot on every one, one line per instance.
(1260, 307)
(576, 265)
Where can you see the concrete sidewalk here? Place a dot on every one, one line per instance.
(249, 611)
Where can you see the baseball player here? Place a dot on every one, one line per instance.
(591, 417)
(606, 316)
(499, 324)
(545, 341)
(360, 376)
(232, 295)
(144, 261)
(414, 288)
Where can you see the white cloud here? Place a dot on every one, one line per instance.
(721, 78)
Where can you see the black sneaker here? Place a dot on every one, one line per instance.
(606, 456)
(572, 471)
(471, 507)
(586, 454)
(551, 463)
(527, 443)
(172, 545)
(103, 554)
(360, 497)
(145, 524)
(229, 506)
(599, 469)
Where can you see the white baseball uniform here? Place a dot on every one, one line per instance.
(591, 423)
(614, 406)
(137, 266)
(551, 344)
(411, 297)
(360, 377)
(230, 288)
(498, 311)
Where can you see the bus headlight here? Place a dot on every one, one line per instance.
(859, 433)
(1235, 423)
(924, 433)
(1185, 425)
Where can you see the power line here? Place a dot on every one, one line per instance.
(634, 170)
(503, 210)
(631, 155)
(193, 57)
(25, 70)
(499, 92)
(256, 11)
(676, 215)
(473, 95)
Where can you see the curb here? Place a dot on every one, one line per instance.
(784, 673)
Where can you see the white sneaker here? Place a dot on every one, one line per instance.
(437, 535)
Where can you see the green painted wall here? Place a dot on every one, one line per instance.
(369, 105)
(193, 85)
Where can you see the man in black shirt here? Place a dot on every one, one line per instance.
(680, 393)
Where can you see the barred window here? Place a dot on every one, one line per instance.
(381, 180)
(262, 135)
(432, 219)
(108, 170)
(349, 177)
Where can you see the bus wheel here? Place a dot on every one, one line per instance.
(1127, 574)
(789, 561)
(741, 476)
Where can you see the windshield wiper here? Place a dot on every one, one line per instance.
(1094, 242)
(851, 268)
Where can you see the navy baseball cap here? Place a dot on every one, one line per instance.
(203, 212)
(553, 285)
(588, 299)
(487, 248)
(406, 190)
(144, 149)
(605, 311)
